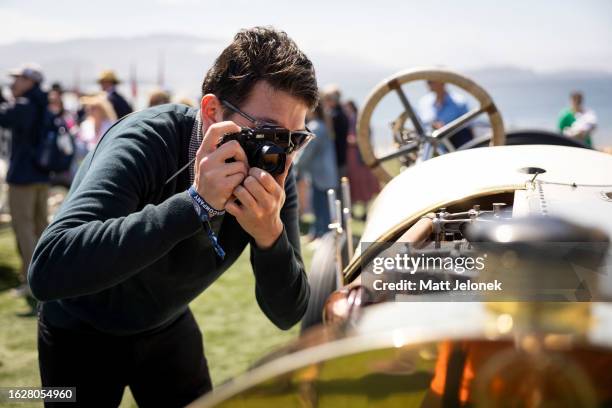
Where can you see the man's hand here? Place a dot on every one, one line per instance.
(261, 198)
(215, 180)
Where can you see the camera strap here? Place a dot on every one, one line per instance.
(205, 212)
(194, 143)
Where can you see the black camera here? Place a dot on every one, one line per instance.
(267, 147)
(260, 149)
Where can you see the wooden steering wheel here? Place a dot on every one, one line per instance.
(422, 144)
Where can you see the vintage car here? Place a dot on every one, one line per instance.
(537, 204)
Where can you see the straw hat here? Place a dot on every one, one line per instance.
(159, 97)
(331, 91)
(184, 100)
(100, 101)
(108, 76)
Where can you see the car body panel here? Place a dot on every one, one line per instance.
(389, 357)
(450, 178)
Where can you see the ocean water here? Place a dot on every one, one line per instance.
(537, 103)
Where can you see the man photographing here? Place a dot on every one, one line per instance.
(135, 242)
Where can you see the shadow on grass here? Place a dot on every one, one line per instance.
(32, 308)
(9, 260)
(9, 269)
(305, 223)
(8, 280)
(8, 277)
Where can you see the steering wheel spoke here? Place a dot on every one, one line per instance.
(456, 125)
(402, 151)
(447, 145)
(414, 118)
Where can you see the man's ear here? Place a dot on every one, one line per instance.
(211, 110)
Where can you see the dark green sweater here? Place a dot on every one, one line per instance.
(126, 254)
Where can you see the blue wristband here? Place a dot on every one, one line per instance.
(204, 214)
(199, 200)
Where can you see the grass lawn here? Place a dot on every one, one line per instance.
(236, 333)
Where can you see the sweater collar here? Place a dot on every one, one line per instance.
(194, 143)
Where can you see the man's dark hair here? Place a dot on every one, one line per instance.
(262, 53)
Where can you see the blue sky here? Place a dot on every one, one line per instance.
(544, 35)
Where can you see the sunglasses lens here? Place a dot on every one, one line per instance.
(287, 140)
(302, 139)
(299, 138)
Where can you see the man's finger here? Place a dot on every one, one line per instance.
(233, 181)
(229, 150)
(237, 167)
(214, 133)
(233, 208)
(256, 189)
(245, 197)
(265, 179)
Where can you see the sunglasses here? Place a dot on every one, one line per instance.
(290, 140)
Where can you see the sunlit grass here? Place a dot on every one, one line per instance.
(18, 356)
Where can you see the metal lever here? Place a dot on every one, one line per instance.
(331, 204)
(335, 213)
(347, 215)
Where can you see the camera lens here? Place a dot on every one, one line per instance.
(271, 158)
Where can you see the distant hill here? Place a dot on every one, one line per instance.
(518, 74)
(183, 58)
(186, 59)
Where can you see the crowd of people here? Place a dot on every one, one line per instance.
(333, 154)
(28, 116)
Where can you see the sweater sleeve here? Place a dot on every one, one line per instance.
(281, 286)
(104, 233)
(20, 114)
